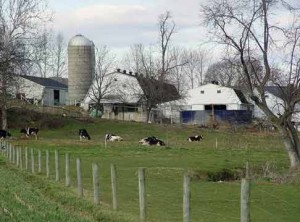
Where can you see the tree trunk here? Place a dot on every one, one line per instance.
(4, 117)
(148, 115)
(290, 146)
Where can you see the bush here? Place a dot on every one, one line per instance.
(223, 175)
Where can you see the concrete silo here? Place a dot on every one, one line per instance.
(81, 67)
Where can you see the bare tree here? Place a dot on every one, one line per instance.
(19, 20)
(224, 72)
(103, 82)
(250, 29)
(59, 56)
(141, 60)
(178, 74)
(43, 54)
(195, 66)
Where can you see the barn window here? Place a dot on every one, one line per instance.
(202, 91)
(219, 91)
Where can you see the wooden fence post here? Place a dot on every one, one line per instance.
(68, 177)
(114, 186)
(79, 177)
(57, 166)
(10, 153)
(17, 156)
(47, 164)
(13, 154)
(7, 150)
(186, 198)
(2, 147)
(32, 160)
(21, 158)
(96, 183)
(142, 195)
(39, 161)
(26, 158)
(245, 200)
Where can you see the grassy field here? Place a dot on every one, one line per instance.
(165, 167)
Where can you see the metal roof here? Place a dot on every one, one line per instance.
(46, 82)
(80, 40)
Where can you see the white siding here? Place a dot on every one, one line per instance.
(30, 89)
(209, 94)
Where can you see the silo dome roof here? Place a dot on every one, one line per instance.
(80, 40)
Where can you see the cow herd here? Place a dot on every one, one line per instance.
(148, 141)
(83, 134)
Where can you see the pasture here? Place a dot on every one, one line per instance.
(274, 196)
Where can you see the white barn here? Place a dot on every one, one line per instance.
(126, 95)
(218, 97)
(206, 100)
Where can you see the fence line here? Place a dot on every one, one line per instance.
(15, 155)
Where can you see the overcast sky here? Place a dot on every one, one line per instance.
(122, 23)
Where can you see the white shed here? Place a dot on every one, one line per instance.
(43, 91)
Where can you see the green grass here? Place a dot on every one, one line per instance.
(24, 197)
(165, 167)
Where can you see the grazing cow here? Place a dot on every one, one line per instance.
(152, 140)
(29, 131)
(4, 134)
(112, 137)
(195, 138)
(83, 134)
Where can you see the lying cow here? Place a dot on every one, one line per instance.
(4, 134)
(195, 138)
(152, 140)
(112, 137)
(83, 134)
(29, 131)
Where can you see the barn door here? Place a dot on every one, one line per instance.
(56, 97)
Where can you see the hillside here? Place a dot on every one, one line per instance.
(215, 166)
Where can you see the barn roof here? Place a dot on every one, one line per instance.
(157, 91)
(277, 91)
(47, 82)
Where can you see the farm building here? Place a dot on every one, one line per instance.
(125, 96)
(43, 91)
(274, 97)
(211, 102)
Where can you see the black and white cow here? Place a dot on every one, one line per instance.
(4, 134)
(195, 138)
(30, 131)
(83, 134)
(152, 140)
(112, 137)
